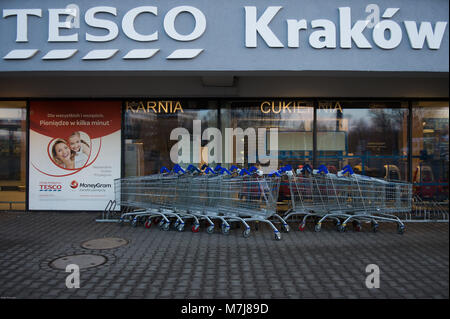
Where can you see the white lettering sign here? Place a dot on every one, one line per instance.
(261, 27)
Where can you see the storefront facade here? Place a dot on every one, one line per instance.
(342, 83)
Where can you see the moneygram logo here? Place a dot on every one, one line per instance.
(84, 186)
(95, 186)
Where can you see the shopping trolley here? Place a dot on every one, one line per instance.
(202, 195)
(313, 193)
(147, 196)
(427, 210)
(193, 194)
(172, 197)
(247, 196)
(343, 198)
(370, 200)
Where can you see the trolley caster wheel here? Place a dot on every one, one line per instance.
(277, 236)
(148, 223)
(225, 229)
(302, 226)
(176, 224)
(195, 228)
(180, 227)
(285, 228)
(161, 223)
(374, 228)
(246, 233)
(121, 222)
(210, 229)
(166, 226)
(134, 222)
(317, 228)
(401, 229)
(341, 228)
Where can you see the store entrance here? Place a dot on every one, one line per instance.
(12, 155)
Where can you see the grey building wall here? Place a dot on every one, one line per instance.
(226, 67)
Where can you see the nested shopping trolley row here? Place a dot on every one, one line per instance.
(177, 197)
(174, 197)
(346, 197)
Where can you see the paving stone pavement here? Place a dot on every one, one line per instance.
(159, 264)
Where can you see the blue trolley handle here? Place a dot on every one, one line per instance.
(252, 169)
(209, 170)
(285, 169)
(218, 168)
(322, 169)
(164, 170)
(348, 169)
(307, 167)
(274, 173)
(177, 169)
(191, 168)
(243, 171)
(224, 170)
(233, 168)
(204, 166)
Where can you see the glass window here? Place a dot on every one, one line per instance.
(12, 154)
(292, 118)
(148, 127)
(430, 150)
(370, 136)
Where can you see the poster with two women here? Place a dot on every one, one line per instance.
(75, 154)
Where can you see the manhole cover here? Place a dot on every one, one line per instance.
(83, 261)
(104, 243)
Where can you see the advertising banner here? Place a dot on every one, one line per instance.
(75, 154)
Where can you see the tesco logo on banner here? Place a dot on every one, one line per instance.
(60, 20)
(44, 187)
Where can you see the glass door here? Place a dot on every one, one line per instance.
(12, 155)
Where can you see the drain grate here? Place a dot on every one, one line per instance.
(104, 243)
(84, 261)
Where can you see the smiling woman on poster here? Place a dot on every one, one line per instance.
(62, 154)
(80, 148)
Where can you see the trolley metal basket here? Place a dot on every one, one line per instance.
(343, 198)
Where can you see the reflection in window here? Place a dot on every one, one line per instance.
(371, 137)
(430, 150)
(147, 131)
(293, 119)
(12, 154)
